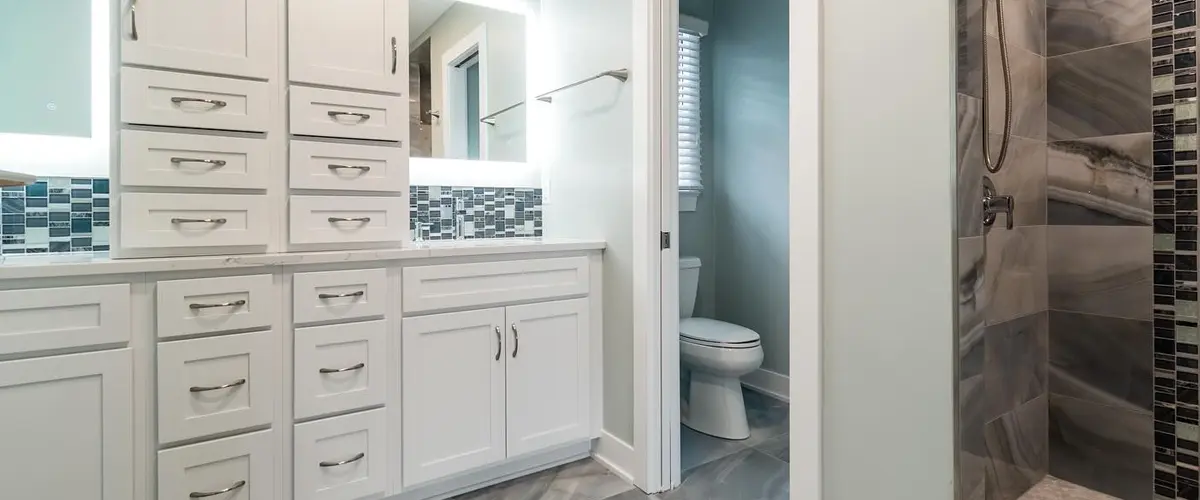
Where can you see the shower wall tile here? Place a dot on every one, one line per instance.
(972, 295)
(969, 137)
(973, 408)
(1014, 370)
(1023, 175)
(1024, 24)
(1104, 270)
(1104, 448)
(1028, 72)
(969, 47)
(1018, 455)
(1074, 25)
(1101, 181)
(1096, 93)
(1103, 360)
(1015, 273)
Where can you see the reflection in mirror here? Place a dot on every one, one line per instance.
(467, 79)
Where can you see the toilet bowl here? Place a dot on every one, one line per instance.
(716, 354)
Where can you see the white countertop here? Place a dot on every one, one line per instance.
(91, 264)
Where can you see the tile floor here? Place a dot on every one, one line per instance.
(753, 469)
(1053, 488)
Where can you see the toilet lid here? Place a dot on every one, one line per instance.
(713, 331)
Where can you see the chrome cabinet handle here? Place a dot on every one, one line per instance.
(359, 293)
(355, 458)
(499, 344)
(362, 116)
(349, 219)
(133, 23)
(346, 369)
(393, 55)
(181, 159)
(516, 340)
(236, 303)
(236, 383)
(364, 168)
(198, 221)
(202, 494)
(215, 103)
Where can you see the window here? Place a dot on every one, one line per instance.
(690, 160)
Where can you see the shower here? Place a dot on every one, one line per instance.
(993, 202)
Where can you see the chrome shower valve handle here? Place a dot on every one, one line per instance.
(994, 204)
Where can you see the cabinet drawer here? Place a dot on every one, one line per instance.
(187, 307)
(347, 219)
(341, 458)
(151, 97)
(430, 288)
(340, 367)
(336, 113)
(56, 318)
(241, 467)
(348, 167)
(339, 295)
(159, 159)
(213, 385)
(193, 220)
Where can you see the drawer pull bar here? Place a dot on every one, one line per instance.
(349, 219)
(215, 103)
(359, 293)
(393, 55)
(198, 221)
(353, 459)
(362, 117)
(499, 344)
(180, 159)
(203, 494)
(516, 340)
(235, 383)
(363, 168)
(346, 369)
(133, 34)
(236, 303)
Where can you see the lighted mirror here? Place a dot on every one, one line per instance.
(467, 79)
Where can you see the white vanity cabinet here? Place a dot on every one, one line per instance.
(227, 37)
(358, 44)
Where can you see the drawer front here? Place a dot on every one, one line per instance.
(431, 288)
(236, 468)
(348, 167)
(337, 113)
(158, 159)
(56, 318)
(151, 97)
(339, 295)
(151, 220)
(214, 385)
(341, 458)
(188, 307)
(347, 219)
(340, 367)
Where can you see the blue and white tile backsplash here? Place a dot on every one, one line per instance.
(61, 215)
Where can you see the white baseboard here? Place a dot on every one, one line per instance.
(496, 473)
(614, 453)
(769, 383)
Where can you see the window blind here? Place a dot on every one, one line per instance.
(689, 111)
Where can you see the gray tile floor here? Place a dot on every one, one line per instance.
(753, 469)
(1053, 488)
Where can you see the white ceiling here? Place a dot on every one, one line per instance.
(423, 13)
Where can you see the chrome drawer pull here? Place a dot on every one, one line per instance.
(202, 494)
(236, 303)
(363, 168)
(361, 116)
(499, 344)
(393, 55)
(236, 383)
(343, 462)
(359, 293)
(198, 221)
(133, 35)
(349, 219)
(516, 340)
(341, 370)
(180, 159)
(215, 103)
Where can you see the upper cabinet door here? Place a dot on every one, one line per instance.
(354, 44)
(547, 375)
(228, 37)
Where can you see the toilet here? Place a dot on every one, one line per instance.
(717, 354)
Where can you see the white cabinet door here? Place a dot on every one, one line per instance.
(354, 44)
(229, 37)
(547, 377)
(453, 393)
(66, 428)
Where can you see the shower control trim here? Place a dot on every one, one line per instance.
(994, 204)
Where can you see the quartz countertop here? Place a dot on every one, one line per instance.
(99, 263)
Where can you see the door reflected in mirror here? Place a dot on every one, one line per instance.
(467, 80)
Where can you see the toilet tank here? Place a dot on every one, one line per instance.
(689, 281)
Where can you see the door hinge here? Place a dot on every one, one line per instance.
(666, 240)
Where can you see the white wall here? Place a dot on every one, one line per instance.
(888, 249)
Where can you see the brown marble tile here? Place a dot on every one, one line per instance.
(1014, 272)
(1104, 360)
(1099, 92)
(1017, 450)
(1104, 448)
(1028, 72)
(1014, 370)
(1101, 181)
(1116, 280)
(1074, 25)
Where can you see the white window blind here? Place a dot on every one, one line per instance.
(689, 110)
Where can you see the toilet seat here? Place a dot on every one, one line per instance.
(719, 334)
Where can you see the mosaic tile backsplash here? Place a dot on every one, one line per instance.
(61, 215)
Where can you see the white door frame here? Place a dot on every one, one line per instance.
(454, 129)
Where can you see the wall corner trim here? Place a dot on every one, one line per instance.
(768, 382)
